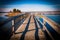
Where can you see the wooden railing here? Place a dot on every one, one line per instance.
(48, 26)
(10, 25)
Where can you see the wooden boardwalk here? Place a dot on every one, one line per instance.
(30, 32)
(31, 29)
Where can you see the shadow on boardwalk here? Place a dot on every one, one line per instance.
(36, 32)
(26, 29)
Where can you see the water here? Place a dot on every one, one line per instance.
(3, 17)
(55, 18)
(3, 14)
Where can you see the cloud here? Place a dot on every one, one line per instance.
(31, 7)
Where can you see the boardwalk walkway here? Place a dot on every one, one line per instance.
(34, 28)
(28, 31)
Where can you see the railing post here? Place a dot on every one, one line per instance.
(44, 22)
(13, 27)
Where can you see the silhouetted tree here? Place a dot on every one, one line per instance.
(18, 11)
(10, 11)
(14, 10)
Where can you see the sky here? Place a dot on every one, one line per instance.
(30, 5)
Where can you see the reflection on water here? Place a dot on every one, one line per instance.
(3, 14)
